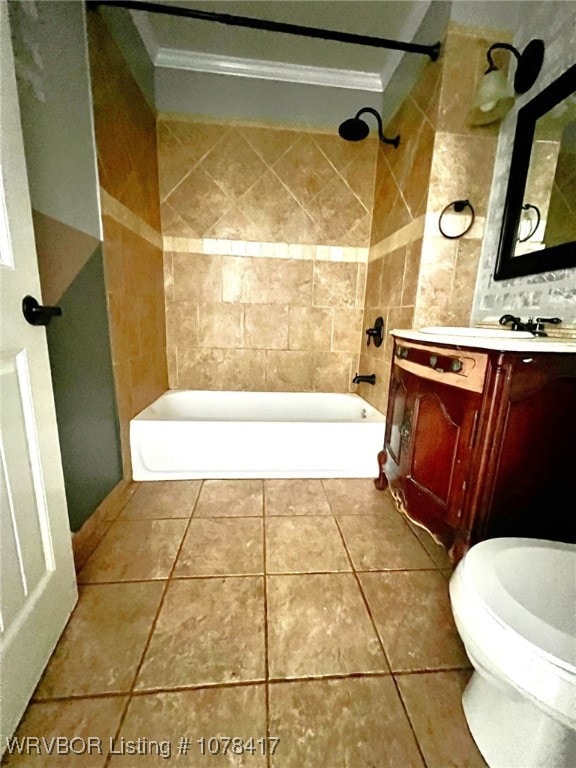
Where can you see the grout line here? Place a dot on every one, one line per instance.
(246, 683)
(375, 628)
(151, 632)
(364, 598)
(266, 641)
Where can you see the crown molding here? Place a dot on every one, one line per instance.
(194, 61)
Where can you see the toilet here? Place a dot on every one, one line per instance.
(514, 604)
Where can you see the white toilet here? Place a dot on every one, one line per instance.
(514, 603)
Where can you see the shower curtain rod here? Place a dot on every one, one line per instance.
(272, 26)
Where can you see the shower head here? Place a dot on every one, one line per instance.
(355, 129)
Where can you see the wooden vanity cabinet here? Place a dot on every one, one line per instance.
(481, 443)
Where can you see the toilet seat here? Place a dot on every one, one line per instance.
(494, 591)
(484, 576)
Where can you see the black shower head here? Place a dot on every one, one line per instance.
(355, 129)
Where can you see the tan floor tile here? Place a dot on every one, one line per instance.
(213, 713)
(341, 724)
(161, 499)
(435, 550)
(304, 545)
(414, 619)
(357, 497)
(295, 497)
(434, 705)
(230, 498)
(103, 642)
(318, 625)
(222, 547)
(208, 631)
(382, 542)
(79, 719)
(134, 550)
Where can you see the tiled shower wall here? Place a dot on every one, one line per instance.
(266, 233)
(415, 276)
(125, 128)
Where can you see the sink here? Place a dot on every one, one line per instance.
(485, 333)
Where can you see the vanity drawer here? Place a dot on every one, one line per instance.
(455, 367)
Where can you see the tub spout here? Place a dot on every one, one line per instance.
(367, 379)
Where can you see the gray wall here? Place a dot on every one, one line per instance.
(56, 110)
(54, 91)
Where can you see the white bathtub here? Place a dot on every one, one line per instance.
(185, 435)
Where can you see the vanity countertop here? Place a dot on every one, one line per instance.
(478, 338)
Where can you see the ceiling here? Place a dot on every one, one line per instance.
(212, 69)
(209, 46)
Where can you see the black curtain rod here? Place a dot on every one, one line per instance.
(272, 26)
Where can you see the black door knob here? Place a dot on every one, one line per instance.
(36, 314)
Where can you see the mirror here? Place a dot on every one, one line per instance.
(539, 223)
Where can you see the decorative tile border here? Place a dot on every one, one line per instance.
(425, 225)
(266, 250)
(123, 215)
(408, 234)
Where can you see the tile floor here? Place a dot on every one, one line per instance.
(307, 611)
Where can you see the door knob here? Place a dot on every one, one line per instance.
(36, 314)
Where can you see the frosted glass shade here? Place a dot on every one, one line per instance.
(493, 100)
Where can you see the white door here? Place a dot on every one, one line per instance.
(37, 578)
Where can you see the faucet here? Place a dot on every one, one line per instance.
(367, 379)
(533, 326)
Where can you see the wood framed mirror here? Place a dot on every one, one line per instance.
(539, 223)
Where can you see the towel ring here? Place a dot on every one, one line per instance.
(459, 206)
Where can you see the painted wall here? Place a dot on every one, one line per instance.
(54, 93)
(125, 128)
(266, 234)
(548, 293)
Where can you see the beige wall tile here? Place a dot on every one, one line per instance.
(288, 371)
(276, 185)
(182, 322)
(125, 127)
(197, 277)
(335, 284)
(221, 325)
(347, 330)
(221, 369)
(309, 328)
(266, 326)
(392, 278)
(332, 371)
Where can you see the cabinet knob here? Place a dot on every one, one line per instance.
(433, 360)
(402, 352)
(456, 366)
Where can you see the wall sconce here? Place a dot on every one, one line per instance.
(355, 129)
(494, 96)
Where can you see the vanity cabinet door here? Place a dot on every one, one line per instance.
(430, 435)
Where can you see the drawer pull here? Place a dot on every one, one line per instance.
(456, 366)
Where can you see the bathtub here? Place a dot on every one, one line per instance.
(186, 435)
